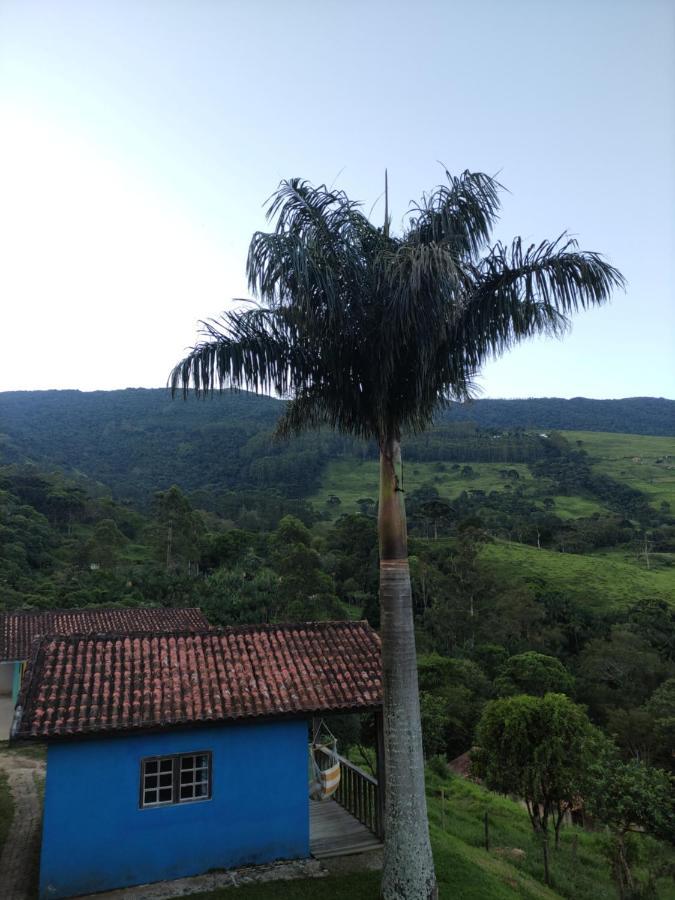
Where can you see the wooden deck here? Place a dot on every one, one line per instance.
(334, 832)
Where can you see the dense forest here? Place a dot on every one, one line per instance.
(138, 441)
(543, 561)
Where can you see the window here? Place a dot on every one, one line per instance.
(175, 779)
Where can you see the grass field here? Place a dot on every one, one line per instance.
(599, 581)
(579, 870)
(632, 458)
(353, 480)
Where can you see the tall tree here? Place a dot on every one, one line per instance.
(370, 332)
(536, 748)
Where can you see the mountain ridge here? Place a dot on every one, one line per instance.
(139, 440)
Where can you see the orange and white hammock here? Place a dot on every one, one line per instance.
(324, 781)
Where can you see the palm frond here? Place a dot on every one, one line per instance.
(520, 293)
(460, 214)
(315, 259)
(258, 349)
(421, 283)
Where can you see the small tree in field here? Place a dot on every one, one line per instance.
(535, 748)
(630, 798)
(370, 333)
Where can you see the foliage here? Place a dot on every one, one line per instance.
(435, 721)
(628, 798)
(537, 749)
(452, 693)
(533, 673)
(661, 709)
(620, 671)
(329, 277)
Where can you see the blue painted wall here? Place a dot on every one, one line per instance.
(95, 837)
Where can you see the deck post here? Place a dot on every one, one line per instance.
(381, 771)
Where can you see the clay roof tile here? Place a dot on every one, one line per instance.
(112, 682)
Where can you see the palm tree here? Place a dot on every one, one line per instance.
(370, 333)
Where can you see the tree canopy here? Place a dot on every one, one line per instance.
(435, 302)
(536, 748)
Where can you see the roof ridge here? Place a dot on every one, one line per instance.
(211, 631)
(92, 609)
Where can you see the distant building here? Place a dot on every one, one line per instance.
(19, 629)
(173, 754)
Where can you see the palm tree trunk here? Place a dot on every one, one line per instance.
(408, 872)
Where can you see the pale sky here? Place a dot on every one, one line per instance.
(139, 140)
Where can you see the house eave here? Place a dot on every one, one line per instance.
(162, 728)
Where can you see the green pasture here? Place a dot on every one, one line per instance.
(353, 480)
(599, 581)
(644, 462)
(574, 507)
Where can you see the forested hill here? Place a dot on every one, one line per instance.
(138, 441)
(633, 415)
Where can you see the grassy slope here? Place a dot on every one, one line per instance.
(581, 873)
(465, 869)
(602, 580)
(352, 480)
(599, 581)
(614, 455)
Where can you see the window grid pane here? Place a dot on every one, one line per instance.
(194, 777)
(157, 782)
(175, 779)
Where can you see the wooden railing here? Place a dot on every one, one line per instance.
(359, 793)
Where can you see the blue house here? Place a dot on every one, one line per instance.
(173, 754)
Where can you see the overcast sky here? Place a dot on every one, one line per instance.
(140, 139)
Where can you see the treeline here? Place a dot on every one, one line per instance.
(633, 415)
(137, 442)
(530, 514)
(63, 547)
(466, 442)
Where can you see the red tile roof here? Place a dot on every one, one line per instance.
(92, 684)
(18, 630)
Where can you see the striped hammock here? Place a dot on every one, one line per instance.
(325, 781)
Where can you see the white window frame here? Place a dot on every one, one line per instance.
(167, 773)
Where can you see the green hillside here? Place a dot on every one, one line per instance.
(512, 867)
(528, 548)
(352, 480)
(591, 532)
(646, 463)
(138, 441)
(598, 581)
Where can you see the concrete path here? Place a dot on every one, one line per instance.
(182, 887)
(6, 716)
(20, 855)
